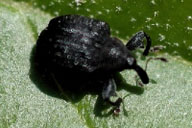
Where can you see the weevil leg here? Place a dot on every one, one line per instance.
(156, 48)
(162, 59)
(109, 90)
(137, 42)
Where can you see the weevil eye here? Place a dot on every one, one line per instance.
(131, 62)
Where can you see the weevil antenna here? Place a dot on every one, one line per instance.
(137, 42)
(147, 48)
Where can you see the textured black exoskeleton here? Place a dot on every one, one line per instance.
(81, 51)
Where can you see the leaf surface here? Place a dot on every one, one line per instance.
(26, 101)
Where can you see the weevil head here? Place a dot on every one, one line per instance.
(132, 64)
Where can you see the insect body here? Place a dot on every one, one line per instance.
(81, 50)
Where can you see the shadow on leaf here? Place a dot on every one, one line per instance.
(59, 87)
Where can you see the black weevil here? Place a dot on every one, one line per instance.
(81, 51)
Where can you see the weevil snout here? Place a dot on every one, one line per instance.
(142, 74)
(132, 64)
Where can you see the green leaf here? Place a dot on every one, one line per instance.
(26, 100)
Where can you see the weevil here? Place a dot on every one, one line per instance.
(82, 51)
